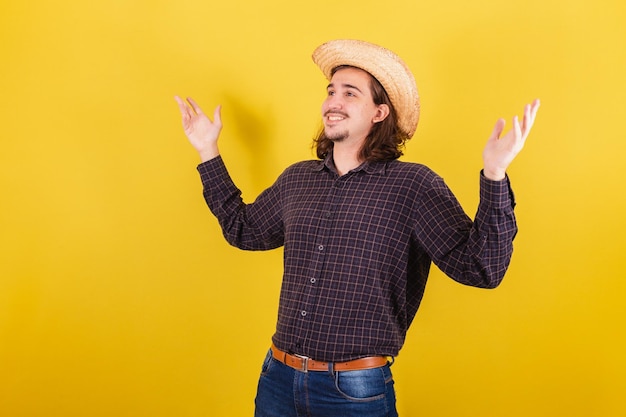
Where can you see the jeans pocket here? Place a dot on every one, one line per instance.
(267, 362)
(364, 385)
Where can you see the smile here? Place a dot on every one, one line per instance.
(335, 117)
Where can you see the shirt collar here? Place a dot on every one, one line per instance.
(370, 167)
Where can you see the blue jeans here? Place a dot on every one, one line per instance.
(286, 392)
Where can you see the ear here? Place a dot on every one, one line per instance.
(381, 113)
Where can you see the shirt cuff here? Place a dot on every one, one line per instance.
(212, 169)
(498, 194)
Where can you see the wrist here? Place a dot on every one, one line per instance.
(494, 174)
(208, 153)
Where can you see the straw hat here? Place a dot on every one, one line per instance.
(384, 65)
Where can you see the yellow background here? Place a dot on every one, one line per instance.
(118, 295)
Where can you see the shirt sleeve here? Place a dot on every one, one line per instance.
(255, 226)
(475, 253)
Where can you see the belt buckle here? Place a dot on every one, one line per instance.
(305, 362)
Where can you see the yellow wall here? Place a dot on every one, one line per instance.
(118, 295)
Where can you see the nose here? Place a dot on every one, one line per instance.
(333, 103)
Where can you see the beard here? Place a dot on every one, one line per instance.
(337, 136)
(333, 133)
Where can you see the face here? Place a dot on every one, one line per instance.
(349, 112)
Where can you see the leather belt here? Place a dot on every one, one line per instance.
(305, 364)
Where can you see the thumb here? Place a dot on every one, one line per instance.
(217, 115)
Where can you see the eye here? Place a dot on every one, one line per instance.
(331, 93)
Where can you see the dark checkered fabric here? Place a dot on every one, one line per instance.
(358, 247)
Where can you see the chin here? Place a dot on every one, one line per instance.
(336, 137)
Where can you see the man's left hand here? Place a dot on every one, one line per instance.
(499, 151)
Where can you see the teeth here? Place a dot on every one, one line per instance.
(334, 118)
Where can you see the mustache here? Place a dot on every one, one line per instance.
(339, 113)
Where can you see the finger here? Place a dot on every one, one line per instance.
(184, 108)
(497, 129)
(180, 102)
(196, 108)
(536, 103)
(517, 128)
(534, 108)
(530, 114)
(527, 121)
(217, 115)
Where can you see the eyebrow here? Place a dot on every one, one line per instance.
(354, 87)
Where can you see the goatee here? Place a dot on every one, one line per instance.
(336, 136)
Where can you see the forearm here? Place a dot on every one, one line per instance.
(243, 225)
(475, 253)
(492, 234)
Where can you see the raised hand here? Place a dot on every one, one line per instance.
(200, 130)
(499, 151)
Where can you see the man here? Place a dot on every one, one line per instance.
(360, 230)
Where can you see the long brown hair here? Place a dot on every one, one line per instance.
(384, 142)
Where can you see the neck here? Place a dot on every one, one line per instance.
(346, 157)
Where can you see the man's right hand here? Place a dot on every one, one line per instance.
(200, 130)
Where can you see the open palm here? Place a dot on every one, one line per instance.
(499, 151)
(199, 129)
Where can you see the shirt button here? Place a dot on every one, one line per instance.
(313, 280)
(303, 313)
(320, 247)
(329, 214)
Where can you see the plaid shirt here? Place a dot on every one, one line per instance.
(358, 247)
